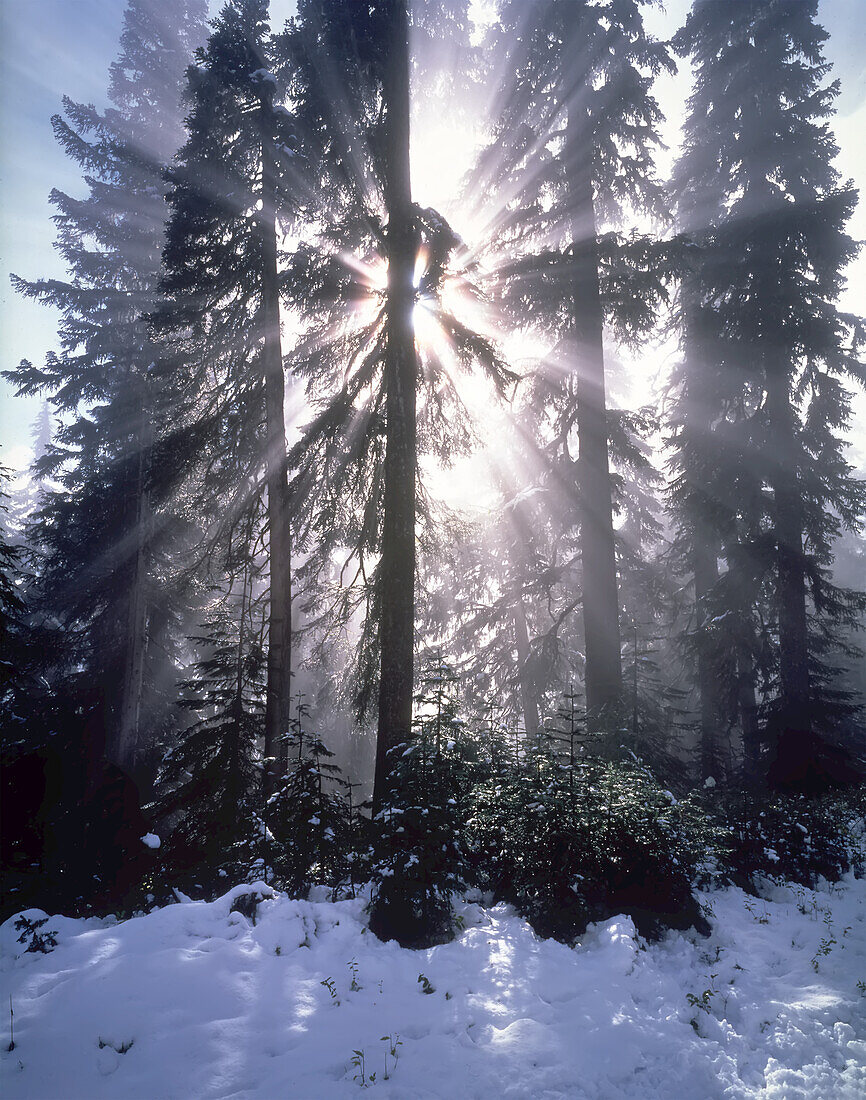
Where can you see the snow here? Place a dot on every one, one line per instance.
(151, 840)
(197, 1001)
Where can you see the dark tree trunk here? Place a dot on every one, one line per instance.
(792, 747)
(234, 784)
(397, 567)
(706, 570)
(600, 597)
(748, 708)
(528, 701)
(127, 749)
(279, 687)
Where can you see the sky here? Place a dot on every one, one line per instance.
(52, 48)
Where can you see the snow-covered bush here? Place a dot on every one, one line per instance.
(418, 856)
(792, 837)
(417, 862)
(312, 827)
(569, 844)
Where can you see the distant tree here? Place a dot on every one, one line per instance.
(101, 577)
(12, 624)
(503, 594)
(763, 396)
(573, 152)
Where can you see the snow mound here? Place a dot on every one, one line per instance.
(257, 996)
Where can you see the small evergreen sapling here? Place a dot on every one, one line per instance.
(40, 942)
(309, 818)
(418, 860)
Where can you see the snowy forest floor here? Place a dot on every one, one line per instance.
(195, 1001)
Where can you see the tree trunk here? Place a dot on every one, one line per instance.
(128, 749)
(397, 567)
(279, 686)
(748, 708)
(706, 569)
(792, 747)
(600, 598)
(528, 701)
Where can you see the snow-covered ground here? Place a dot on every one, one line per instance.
(195, 1001)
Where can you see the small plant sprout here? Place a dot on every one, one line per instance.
(703, 1001)
(763, 917)
(824, 948)
(353, 969)
(393, 1041)
(426, 987)
(329, 984)
(359, 1064)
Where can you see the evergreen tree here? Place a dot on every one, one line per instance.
(310, 820)
(210, 787)
(99, 539)
(12, 625)
(418, 860)
(357, 461)
(233, 179)
(397, 569)
(504, 594)
(573, 151)
(763, 400)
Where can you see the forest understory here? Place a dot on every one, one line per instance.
(447, 515)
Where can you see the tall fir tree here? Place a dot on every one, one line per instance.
(573, 154)
(763, 394)
(100, 542)
(233, 181)
(357, 282)
(397, 629)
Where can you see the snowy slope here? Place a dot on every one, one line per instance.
(205, 1004)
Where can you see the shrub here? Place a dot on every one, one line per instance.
(793, 837)
(310, 822)
(569, 844)
(418, 857)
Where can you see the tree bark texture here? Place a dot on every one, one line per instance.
(748, 708)
(397, 566)
(706, 570)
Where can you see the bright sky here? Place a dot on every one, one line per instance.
(51, 48)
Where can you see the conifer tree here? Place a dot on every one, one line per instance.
(100, 541)
(397, 579)
(232, 182)
(210, 788)
(573, 152)
(764, 400)
(356, 465)
(12, 627)
(309, 818)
